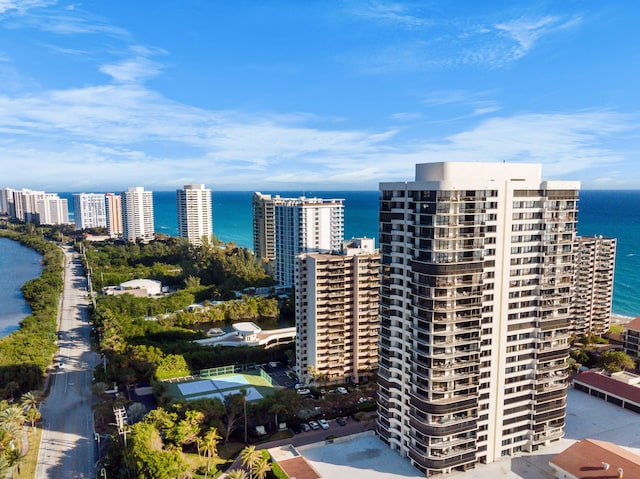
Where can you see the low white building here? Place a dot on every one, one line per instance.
(136, 287)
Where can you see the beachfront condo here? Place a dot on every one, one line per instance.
(336, 301)
(195, 219)
(476, 286)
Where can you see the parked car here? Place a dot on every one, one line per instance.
(323, 423)
(314, 425)
(341, 421)
(273, 364)
(304, 391)
(299, 386)
(341, 390)
(305, 427)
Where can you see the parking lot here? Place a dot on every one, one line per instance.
(278, 373)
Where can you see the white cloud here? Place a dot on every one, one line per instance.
(407, 116)
(563, 143)
(527, 31)
(391, 12)
(132, 70)
(124, 134)
(22, 6)
(453, 42)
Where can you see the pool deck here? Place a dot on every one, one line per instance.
(364, 455)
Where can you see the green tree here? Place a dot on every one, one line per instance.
(209, 443)
(30, 402)
(237, 474)
(615, 361)
(234, 407)
(5, 467)
(188, 429)
(148, 456)
(261, 468)
(580, 356)
(249, 457)
(15, 459)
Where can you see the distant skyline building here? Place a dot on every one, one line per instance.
(595, 258)
(89, 210)
(25, 204)
(264, 226)
(6, 202)
(137, 214)
(475, 305)
(305, 225)
(113, 210)
(195, 218)
(336, 301)
(52, 210)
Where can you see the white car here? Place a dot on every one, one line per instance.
(323, 423)
(314, 425)
(273, 364)
(303, 391)
(341, 390)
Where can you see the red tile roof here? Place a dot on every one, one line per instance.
(633, 324)
(609, 385)
(299, 468)
(587, 458)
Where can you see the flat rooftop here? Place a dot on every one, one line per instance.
(587, 417)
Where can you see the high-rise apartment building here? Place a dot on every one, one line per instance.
(195, 221)
(24, 202)
(52, 210)
(89, 210)
(137, 214)
(476, 286)
(594, 258)
(113, 210)
(336, 298)
(6, 202)
(286, 227)
(305, 225)
(264, 226)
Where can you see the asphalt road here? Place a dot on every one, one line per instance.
(67, 448)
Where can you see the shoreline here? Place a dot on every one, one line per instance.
(621, 318)
(11, 318)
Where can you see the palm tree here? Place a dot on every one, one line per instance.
(237, 474)
(15, 460)
(210, 444)
(249, 456)
(30, 401)
(276, 409)
(261, 468)
(4, 467)
(11, 421)
(32, 416)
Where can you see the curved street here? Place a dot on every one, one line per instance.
(67, 446)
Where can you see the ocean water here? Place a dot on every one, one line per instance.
(18, 264)
(607, 213)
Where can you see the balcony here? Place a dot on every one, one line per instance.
(453, 458)
(445, 429)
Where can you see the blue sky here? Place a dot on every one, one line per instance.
(290, 95)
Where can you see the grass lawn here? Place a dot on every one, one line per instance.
(195, 461)
(230, 450)
(28, 468)
(616, 329)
